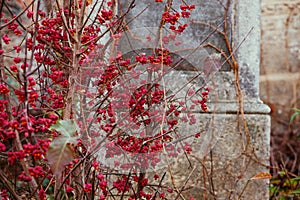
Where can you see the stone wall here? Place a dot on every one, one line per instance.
(280, 50)
(280, 73)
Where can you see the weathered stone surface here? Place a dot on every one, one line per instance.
(205, 18)
(224, 163)
(225, 172)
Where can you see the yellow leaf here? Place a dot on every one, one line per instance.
(262, 175)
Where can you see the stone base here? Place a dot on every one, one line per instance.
(222, 167)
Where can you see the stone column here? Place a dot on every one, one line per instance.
(226, 161)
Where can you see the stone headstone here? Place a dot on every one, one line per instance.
(226, 166)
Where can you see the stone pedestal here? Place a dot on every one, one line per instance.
(238, 146)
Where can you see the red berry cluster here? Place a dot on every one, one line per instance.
(33, 95)
(173, 17)
(36, 171)
(161, 56)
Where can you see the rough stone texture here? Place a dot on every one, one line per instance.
(230, 165)
(247, 19)
(227, 164)
(225, 170)
(210, 12)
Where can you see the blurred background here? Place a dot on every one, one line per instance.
(280, 80)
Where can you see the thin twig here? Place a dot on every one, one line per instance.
(16, 18)
(7, 185)
(185, 183)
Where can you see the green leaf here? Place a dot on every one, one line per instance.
(296, 109)
(66, 128)
(293, 116)
(281, 173)
(60, 152)
(296, 191)
(297, 178)
(50, 197)
(297, 112)
(273, 190)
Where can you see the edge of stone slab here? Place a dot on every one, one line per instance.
(251, 107)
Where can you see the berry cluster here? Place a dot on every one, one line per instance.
(172, 18)
(54, 59)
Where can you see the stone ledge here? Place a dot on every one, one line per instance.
(255, 107)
